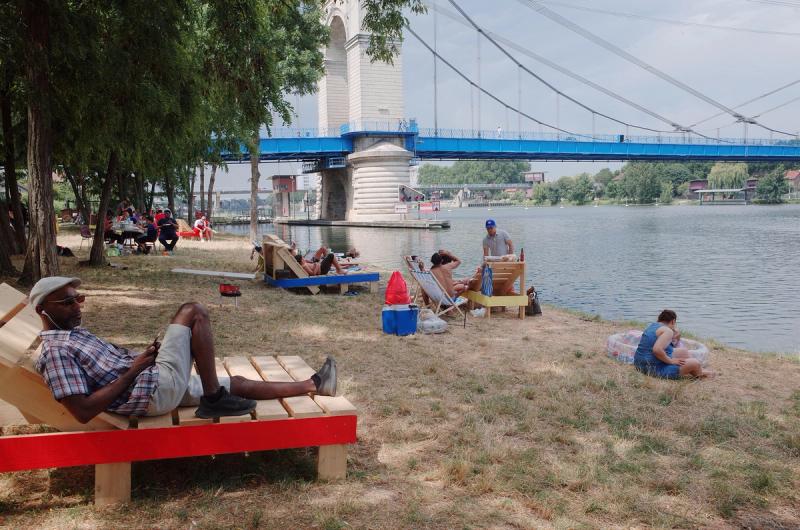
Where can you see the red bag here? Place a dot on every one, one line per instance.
(397, 290)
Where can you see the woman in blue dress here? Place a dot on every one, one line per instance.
(657, 355)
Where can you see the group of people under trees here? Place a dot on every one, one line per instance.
(158, 225)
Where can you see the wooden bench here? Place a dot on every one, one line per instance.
(111, 442)
(504, 275)
(277, 258)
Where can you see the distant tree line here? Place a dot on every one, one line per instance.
(637, 182)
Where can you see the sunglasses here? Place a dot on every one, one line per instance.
(70, 300)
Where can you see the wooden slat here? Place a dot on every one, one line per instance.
(302, 407)
(151, 422)
(222, 274)
(266, 409)
(270, 369)
(335, 405)
(295, 267)
(296, 366)
(11, 302)
(186, 417)
(298, 406)
(17, 335)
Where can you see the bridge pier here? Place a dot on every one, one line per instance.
(378, 172)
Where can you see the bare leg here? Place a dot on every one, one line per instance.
(250, 389)
(321, 253)
(339, 269)
(195, 316)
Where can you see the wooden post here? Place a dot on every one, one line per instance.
(522, 291)
(343, 288)
(112, 483)
(332, 462)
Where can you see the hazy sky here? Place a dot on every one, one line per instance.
(728, 66)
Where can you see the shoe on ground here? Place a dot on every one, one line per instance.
(226, 405)
(327, 376)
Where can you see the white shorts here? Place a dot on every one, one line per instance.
(177, 385)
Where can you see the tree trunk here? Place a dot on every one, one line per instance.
(190, 201)
(97, 256)
(169, 189)
(203, 188)
(41, 255)
(210, 202)
(79, 190)
(151, 195)
(10, 165)
(254, 175)
(6, 242)
(139, 184)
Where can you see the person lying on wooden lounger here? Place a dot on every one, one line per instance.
(443, 263)
(319, 264)
(89, 375)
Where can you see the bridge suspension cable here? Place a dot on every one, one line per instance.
(753, 100)
(776, 107)
(549, 85)
(637, 16)
(555, 66)
(484, 91)
(616, 50)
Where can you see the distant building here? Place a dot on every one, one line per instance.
(695, 186)
(537, 177)
(793, 178)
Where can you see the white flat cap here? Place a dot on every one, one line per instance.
(48, 285)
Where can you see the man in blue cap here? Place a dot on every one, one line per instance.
(497, 242)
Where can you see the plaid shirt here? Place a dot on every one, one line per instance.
(75, 362)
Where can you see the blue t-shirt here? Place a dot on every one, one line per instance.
(152, 231)
(644, 353)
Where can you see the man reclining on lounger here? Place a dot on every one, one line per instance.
(320, 264)
(89, 375)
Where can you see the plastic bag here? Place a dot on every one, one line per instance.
(487, 286)
(397, 290)
(432, 325)
(533, 308)
(425, 314)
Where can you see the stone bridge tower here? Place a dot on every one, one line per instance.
(365, 96)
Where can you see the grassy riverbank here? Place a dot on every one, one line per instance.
(504, 424)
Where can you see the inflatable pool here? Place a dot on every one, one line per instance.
(622, 347)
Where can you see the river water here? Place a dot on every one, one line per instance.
(732, 273)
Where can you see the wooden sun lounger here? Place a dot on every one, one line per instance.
(111, 442)
(504, 276)
(277, 258)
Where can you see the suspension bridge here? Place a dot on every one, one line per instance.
(364, 145)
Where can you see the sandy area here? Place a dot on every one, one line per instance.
(502, 424)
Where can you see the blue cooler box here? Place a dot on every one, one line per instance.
(400, 319)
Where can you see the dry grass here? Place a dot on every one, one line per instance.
(504, 424)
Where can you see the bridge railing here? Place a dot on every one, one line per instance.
(411, 127)
(673, 138)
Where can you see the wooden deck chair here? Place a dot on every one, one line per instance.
(111, 442)
(439, 301)
(504, 276)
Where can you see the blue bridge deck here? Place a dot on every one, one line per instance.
(312, 144)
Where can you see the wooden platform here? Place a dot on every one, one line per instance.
(111, 442)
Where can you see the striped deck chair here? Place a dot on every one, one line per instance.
(439, 301)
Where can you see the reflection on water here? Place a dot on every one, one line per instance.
(731, 272)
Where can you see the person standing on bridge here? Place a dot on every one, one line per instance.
(497, 242)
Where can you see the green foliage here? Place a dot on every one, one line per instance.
(666, 193)
(640, 182)
(725, 175)
(540, 193)
(474, 172)
(581, 190)
(771, 188)
(604, 176)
